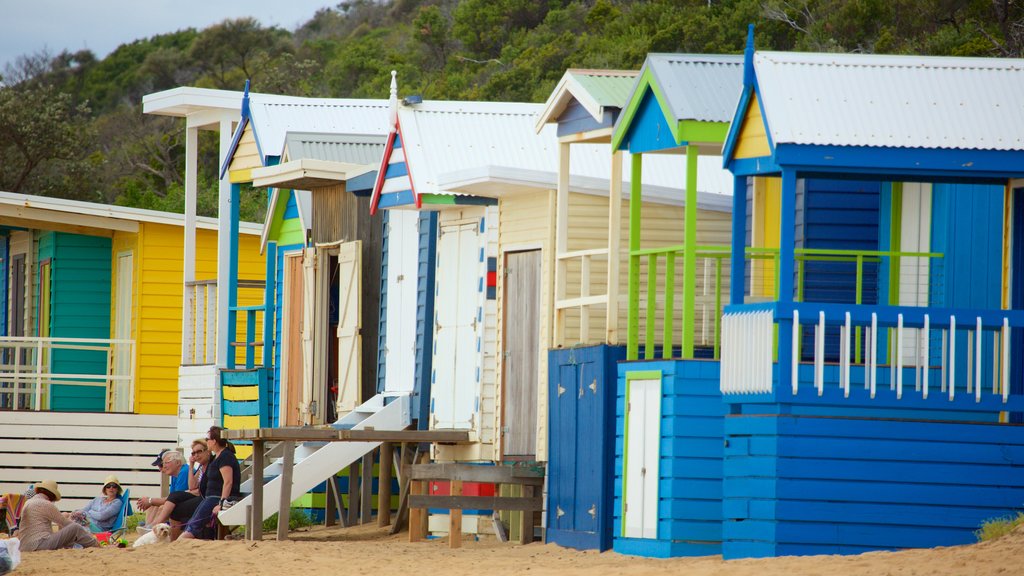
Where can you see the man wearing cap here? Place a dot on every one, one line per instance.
(37, 520)
(169, 462)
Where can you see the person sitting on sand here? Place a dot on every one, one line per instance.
(223, 480)
(101, 512)
(173, 465)
(37, 520)
(179, 506)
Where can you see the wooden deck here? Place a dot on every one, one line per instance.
(307, 434)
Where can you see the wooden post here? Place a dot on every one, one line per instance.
(256, 518)
(614, 247)
(417, 515)
(331, 502)
(353, 494)
(633, 307)
(384, 485)
(408, 457)
(285, 503)
(526, 531)
(455, 518)
(366, 489)
(562, 241)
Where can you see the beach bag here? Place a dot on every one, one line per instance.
(10, 554)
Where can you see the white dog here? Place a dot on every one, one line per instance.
(161, 533)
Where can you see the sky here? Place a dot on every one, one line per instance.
(28, 26)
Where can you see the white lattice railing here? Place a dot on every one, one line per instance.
(199, 323)
(747, 352)
(26, 377)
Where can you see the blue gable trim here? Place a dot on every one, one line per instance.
(763, 166)
(649, 131)
(291, 210)
(393, 199)
(361, 185)
(396, 170)
(903, 163)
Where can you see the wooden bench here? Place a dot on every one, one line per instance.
(531, 478)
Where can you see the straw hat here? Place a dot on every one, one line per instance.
(51, 487)
(112, 480)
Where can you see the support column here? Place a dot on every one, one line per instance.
(738, 264)
(633, 309)
(268, 335)
(787, 247)
(614, 248)
(562, 241)
(189, 345)
(224, 208)
(689, 253)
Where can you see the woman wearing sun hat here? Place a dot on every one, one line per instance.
(101, 513)
(37, 520)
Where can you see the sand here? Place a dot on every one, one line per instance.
(369, 550)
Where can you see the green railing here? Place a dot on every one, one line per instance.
(763, 286)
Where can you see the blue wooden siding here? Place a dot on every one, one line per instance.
(796, 485)
(576, 119)
(690, 483)
(1017, 299)
(581, 445)
(425, 316)
(967, 227)
(649, 130)
(80, 280)
(382, 324)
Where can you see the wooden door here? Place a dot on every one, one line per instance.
(520, 353)
(641, 459)
(293, 316)
(457, 323)
(400, 313)
(349, 324)
(120, 399)
(309, 331)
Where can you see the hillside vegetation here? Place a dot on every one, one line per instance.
(71, 124)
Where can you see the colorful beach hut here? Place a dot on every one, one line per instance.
(588, 339)
(89, 336)
(880, 415)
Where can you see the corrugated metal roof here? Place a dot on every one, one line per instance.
(606, 87)
(346, 148)
(892, 101)
(276, 116)
(442, 138)
(698, 87)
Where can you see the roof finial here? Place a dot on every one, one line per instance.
(245, 100)
(748, 58)
(393, 102)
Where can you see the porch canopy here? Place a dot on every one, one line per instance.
(887, 119)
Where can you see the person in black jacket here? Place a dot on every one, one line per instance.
(223, 482)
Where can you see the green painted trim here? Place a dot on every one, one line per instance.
(277, 221)
(644, 82)
(690, 253)
(291, 233)
(644, 375)
(633, 296)
(718, 308)
(703, 132)
(652, 297)
(438, 199)
(895, 241)
(668, 324)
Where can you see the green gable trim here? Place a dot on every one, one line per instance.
(439, 199)
(277, 218)
(696, 131)
(290, 232)
(644, 83)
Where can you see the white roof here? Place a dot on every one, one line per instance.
(37, 205)
(275, 116)
(449, 145)
(892, 101)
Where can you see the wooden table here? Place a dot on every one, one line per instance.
(288, 436)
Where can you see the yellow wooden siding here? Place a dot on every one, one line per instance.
(247, 155)
(765, 234)
(159, 268)
(121, 243)
(753, 140)
(662, 226)
(526, 222)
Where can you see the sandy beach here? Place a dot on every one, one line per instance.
(369, 550)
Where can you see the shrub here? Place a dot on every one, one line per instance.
(998, 527)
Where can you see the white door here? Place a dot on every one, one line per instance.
(349, 324)
(915, 236)
(403, 268)
(643, 433)
(457, 324)
(123, 357)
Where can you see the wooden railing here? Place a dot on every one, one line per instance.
(26, 377)
(199, 321)
(585, 300)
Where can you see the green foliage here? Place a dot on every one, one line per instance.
(297, 518)
(71, 124)
(132, 522)
(999, 527)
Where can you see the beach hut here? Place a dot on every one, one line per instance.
(879, 414)
(588, 338)
(669, 413)
(91, 300)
